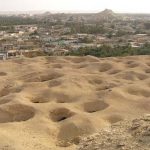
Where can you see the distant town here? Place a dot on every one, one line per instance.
(61, 34)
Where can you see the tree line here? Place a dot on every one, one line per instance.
(16, 20)
(107, 51)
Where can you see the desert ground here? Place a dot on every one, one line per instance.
(49, 103)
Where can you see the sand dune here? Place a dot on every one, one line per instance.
(50, 102)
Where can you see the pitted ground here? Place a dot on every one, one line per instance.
(49, 103)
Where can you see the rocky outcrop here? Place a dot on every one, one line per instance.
(125, 135)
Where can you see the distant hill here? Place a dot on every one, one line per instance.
(107, 14)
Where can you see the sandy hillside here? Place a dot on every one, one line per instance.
(47, 103)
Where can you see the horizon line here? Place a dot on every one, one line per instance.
(65, 11)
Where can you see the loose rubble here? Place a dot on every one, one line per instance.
(125, 135)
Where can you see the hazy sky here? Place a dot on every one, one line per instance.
(138, 6)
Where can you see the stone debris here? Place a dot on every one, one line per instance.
(125, 135)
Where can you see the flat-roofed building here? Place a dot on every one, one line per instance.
(3, 56)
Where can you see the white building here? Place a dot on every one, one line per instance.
(3, 56)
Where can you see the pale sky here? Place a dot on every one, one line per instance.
(133, 6)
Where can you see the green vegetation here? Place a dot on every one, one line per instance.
(107, 51)
(15, 20)
(83, 28)
(147, 25)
